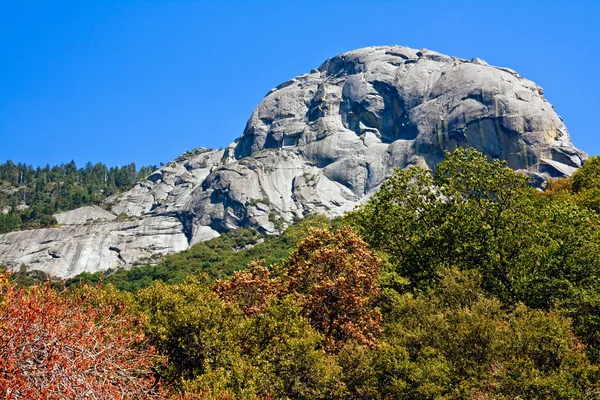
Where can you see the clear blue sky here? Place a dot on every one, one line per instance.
(144, 81)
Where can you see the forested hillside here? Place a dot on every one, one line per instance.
(30, 196)
(466, 283)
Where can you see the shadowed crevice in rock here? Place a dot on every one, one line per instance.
(53, 254)
(389, 123)
(316, 106)
(118, 251)
(342, 65)
(187, 223)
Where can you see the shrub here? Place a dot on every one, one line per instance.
(58, 346)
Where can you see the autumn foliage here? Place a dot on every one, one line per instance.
(58, 346)
(334, 279)
(251, 289)
(489, 290)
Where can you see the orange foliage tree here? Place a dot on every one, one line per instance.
(334, 279)
(335, 276)
(251, 289)
(59, 346)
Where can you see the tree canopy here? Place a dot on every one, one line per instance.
(473, 214)
(459, 283)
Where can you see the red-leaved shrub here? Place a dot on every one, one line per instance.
(64, 346)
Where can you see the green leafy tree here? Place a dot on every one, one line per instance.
(583, 186)
(214, 351)
(283, 345)
(192, 326)
(456, 342)
(475, 214)
(466, 214)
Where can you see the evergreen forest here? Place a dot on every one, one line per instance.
(30, 196)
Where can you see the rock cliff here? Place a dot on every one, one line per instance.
(318, 143)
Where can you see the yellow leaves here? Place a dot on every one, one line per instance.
(4, 281)
(555, 186)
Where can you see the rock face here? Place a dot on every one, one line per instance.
(318, 143)
(83, 215)
(73, 249)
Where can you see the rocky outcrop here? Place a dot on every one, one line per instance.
(318, 143)
(84, 215)
(72, 249)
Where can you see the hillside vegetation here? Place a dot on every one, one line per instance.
(30, 196)
(459, 284)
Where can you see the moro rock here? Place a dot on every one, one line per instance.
(319, 143)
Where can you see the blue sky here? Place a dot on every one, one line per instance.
(144, 81)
